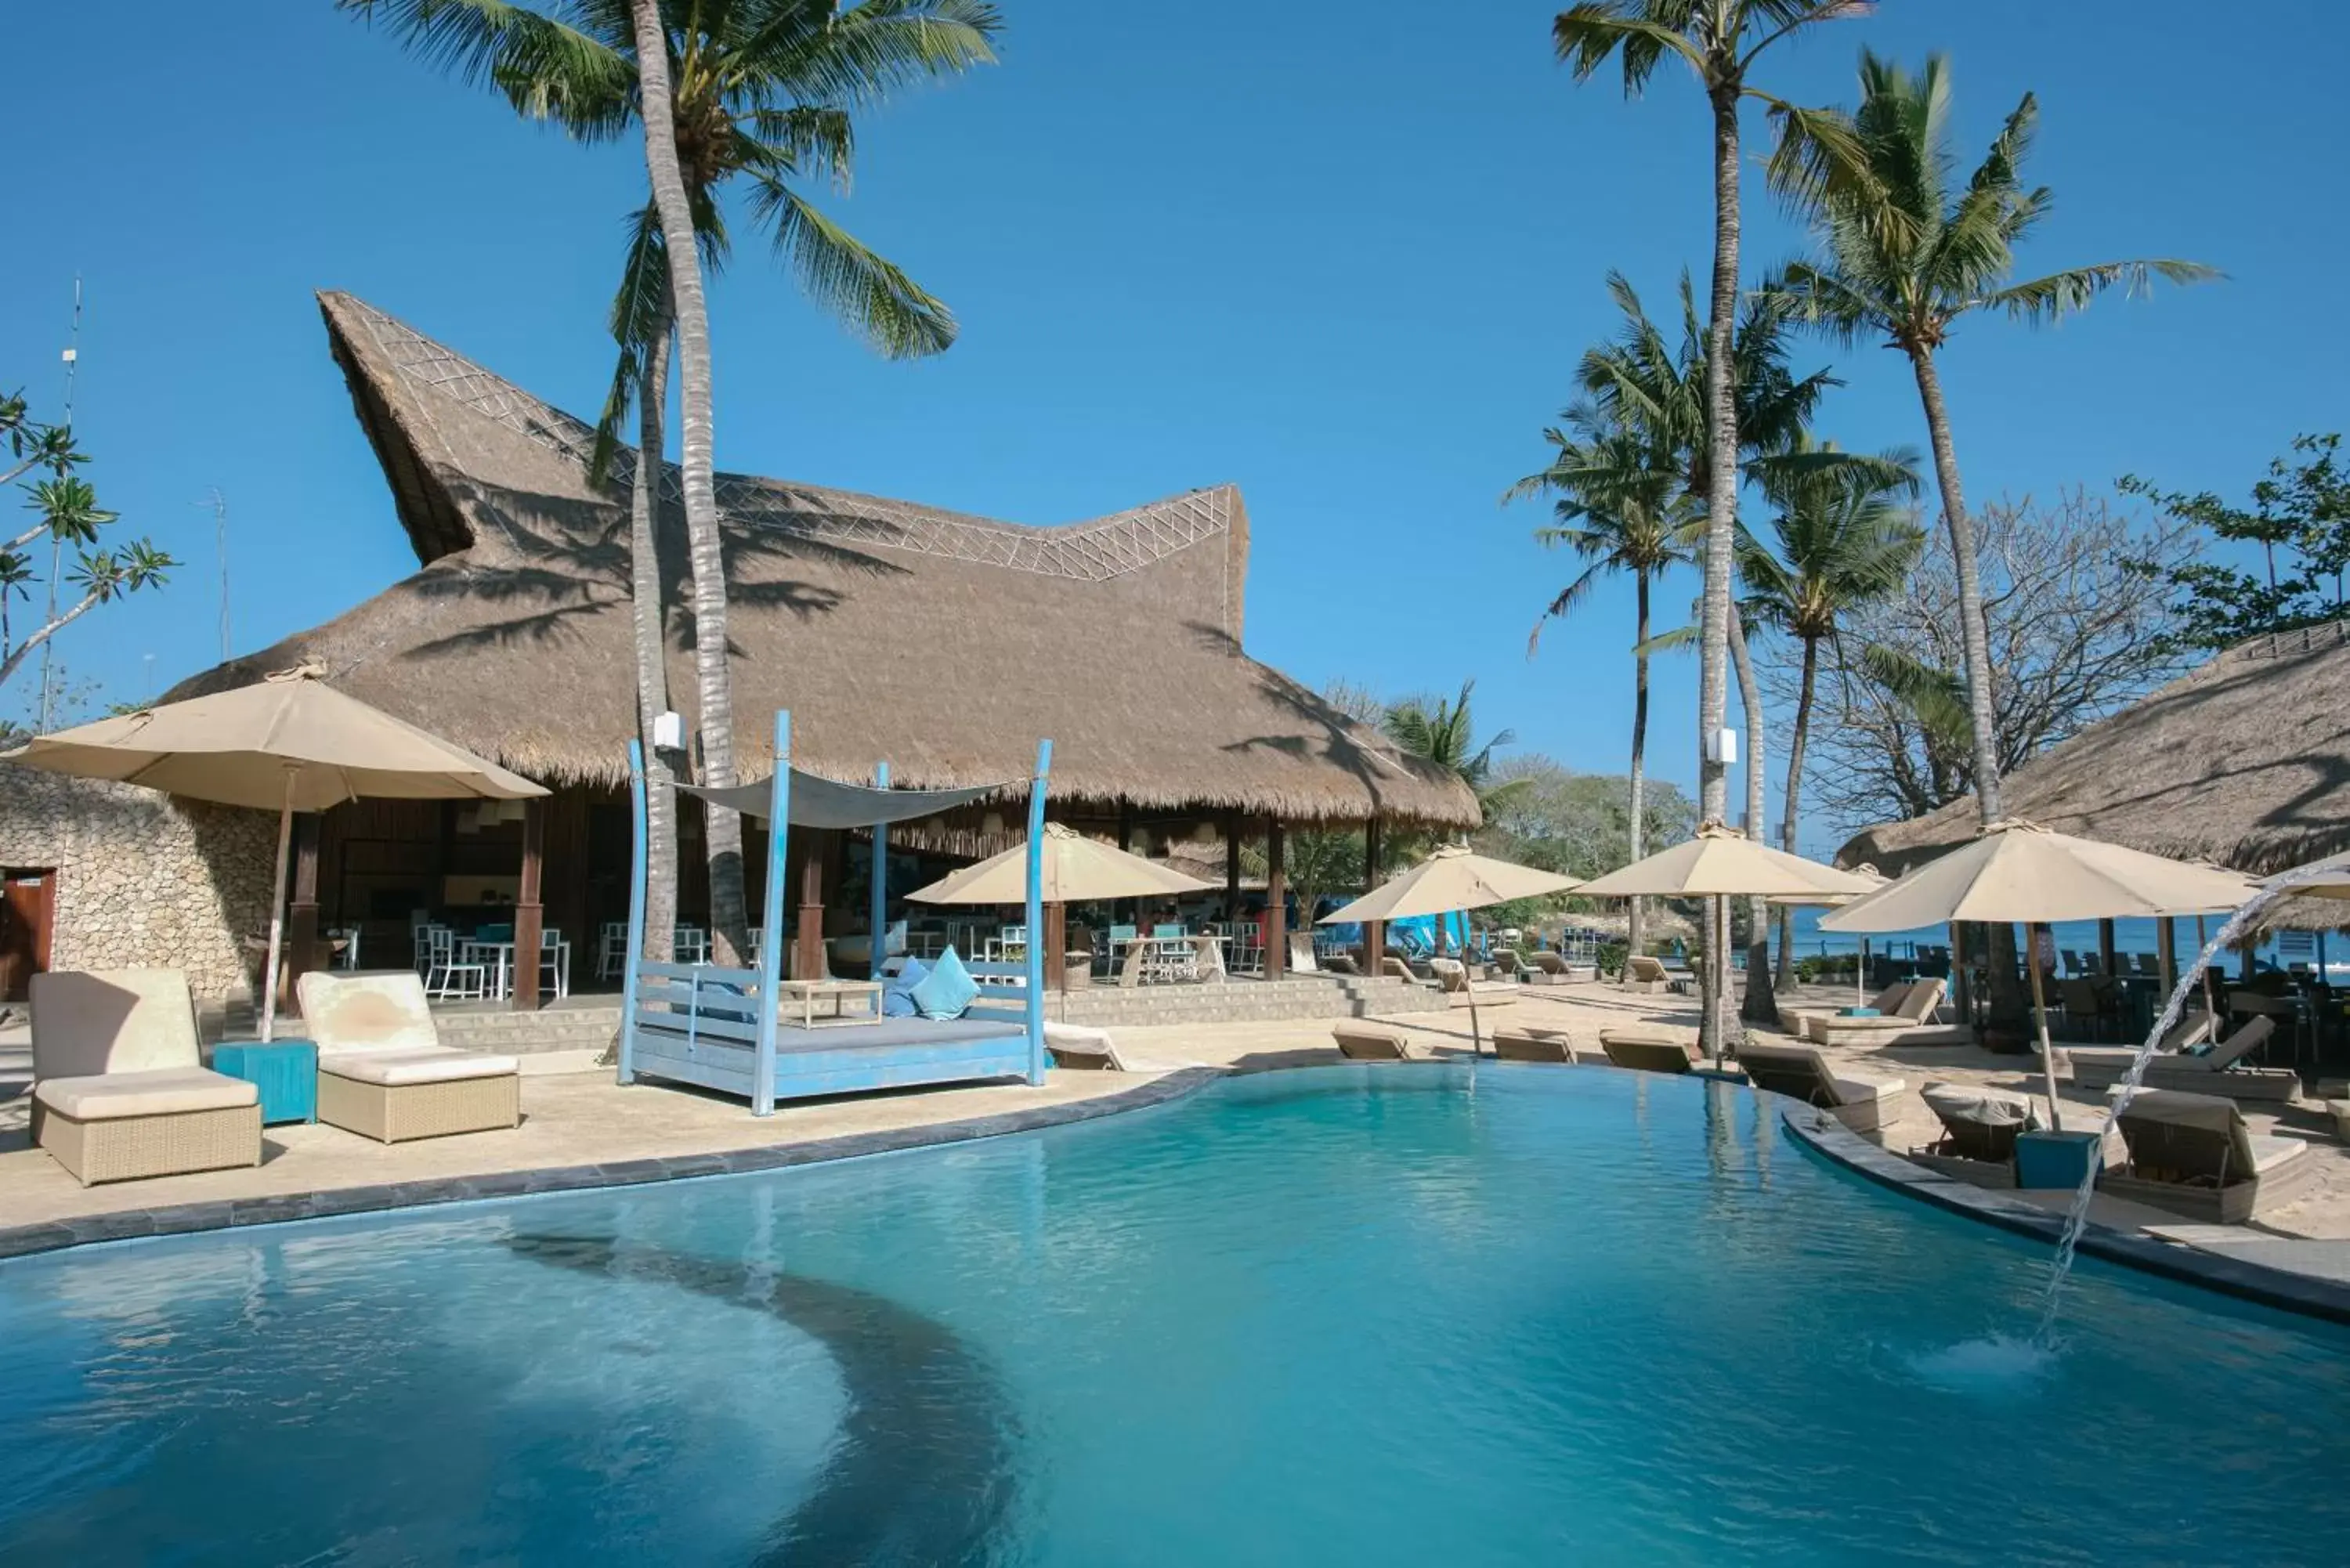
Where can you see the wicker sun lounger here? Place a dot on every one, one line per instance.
(1648, 1052)
(1527, 1042)
(120, 1091)
(382, 1070)
(1081, 1049)
(2193, 1155)
(1362, 1041)
(2220, 1070)
(1642, 973)
(1801, 1073)
(1912, 1022)
(1980, 1128)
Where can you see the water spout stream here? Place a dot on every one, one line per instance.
(2076, 1217)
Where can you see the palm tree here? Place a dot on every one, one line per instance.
(1720, 40)
(759, 89)
(1443, 731)
(1621, 514)
(1906, 256)
(1846, 535)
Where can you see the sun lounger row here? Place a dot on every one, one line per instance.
(120, 1091)
(1904, 1014)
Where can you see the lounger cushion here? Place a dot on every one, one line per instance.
(1986, 1107)
(365, 1011)
(1860, 1091)
(112, 1021)
(396, 1067)
(168, 1091)
(1371, 1041)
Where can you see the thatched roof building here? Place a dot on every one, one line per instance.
(2244, 762)
(945, 643)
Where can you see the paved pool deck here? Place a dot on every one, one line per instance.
(580, 1129)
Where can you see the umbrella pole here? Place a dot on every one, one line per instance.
(276, 915)
(2209, 1011)
(2039, 1009)
(1476, 1041)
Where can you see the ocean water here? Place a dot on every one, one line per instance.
(2130, 936)
(1352, 1315)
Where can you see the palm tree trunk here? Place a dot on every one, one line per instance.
(1972, 632)
(1721, 509)
(1796, 740)
(1759, 1005)
(723, 830)
(649, 621)
(1634, 927)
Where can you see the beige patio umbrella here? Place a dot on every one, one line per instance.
(1075, 870)
(289, 743)
(1455, 878)
(1875, 880)
(1723, 863)
(2020, 872)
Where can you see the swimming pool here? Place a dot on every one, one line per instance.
(1355, 1315)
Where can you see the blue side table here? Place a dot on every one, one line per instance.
(285, 1071)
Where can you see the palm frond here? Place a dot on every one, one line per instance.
(2047, 299)
(1587, 34)
(874, 296)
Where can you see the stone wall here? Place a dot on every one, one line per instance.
(144, 880)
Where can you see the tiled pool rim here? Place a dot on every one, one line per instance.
(1816, 1130)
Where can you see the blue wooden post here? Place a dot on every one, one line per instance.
(635, 954)
(880, 878)
(769, 990)
(1035, 912)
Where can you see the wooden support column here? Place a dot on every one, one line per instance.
(1276, 910)
(1232, 866)
(1962, 979)
(2105, 946)
(2165, 939)
(302, 914)
(530, 919)
(807, 942)
(1057, 947)
(1374, 932)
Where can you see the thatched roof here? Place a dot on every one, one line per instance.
(2244, 762)
(944, 643)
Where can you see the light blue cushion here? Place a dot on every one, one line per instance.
(947, 990)
(897, 990)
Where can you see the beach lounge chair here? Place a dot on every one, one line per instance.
(2193, 1155)
(120, 1091)
(382, 1070)
(1912, 1022)
(1885, 1003)
(1340, 963)
(1359, 1040)
(1801, 1073)
(1648, 1052)
(1980, 1128)
(1526, 1043)
(1452, 980)
(2214, 1070)
(1080, 1049)
(1643, 973)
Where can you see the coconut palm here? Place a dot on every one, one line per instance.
(1443, 731)
(1846, 535)
(1907, 254)
(1623, 515)
(1719, 41)
(759, 92)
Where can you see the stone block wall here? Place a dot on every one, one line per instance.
(144, 880)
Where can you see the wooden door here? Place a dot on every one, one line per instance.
(27, 905)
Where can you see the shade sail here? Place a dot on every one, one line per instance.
(288, 743)
(817, 802)
(2020, 872)
(1718, 862)
(1454, 877)
(1076, 871)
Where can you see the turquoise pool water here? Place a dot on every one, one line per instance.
(1352, 1315)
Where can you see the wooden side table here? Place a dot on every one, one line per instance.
(285, 1071)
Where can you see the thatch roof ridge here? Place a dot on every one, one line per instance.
(2243, 760)
(943, 642)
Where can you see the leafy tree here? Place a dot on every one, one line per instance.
(43, 463)
(1906, 256)
(2300, 509)
(756, 91)
(1574, 824)
(1844, 537)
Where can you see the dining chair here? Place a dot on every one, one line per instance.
(554, 962)
(448, 977)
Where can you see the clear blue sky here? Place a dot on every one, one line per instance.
(1342, 254)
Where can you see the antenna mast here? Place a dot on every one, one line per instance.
(57, 546)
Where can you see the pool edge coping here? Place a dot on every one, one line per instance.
(2306, 1295)
(341, 1202)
